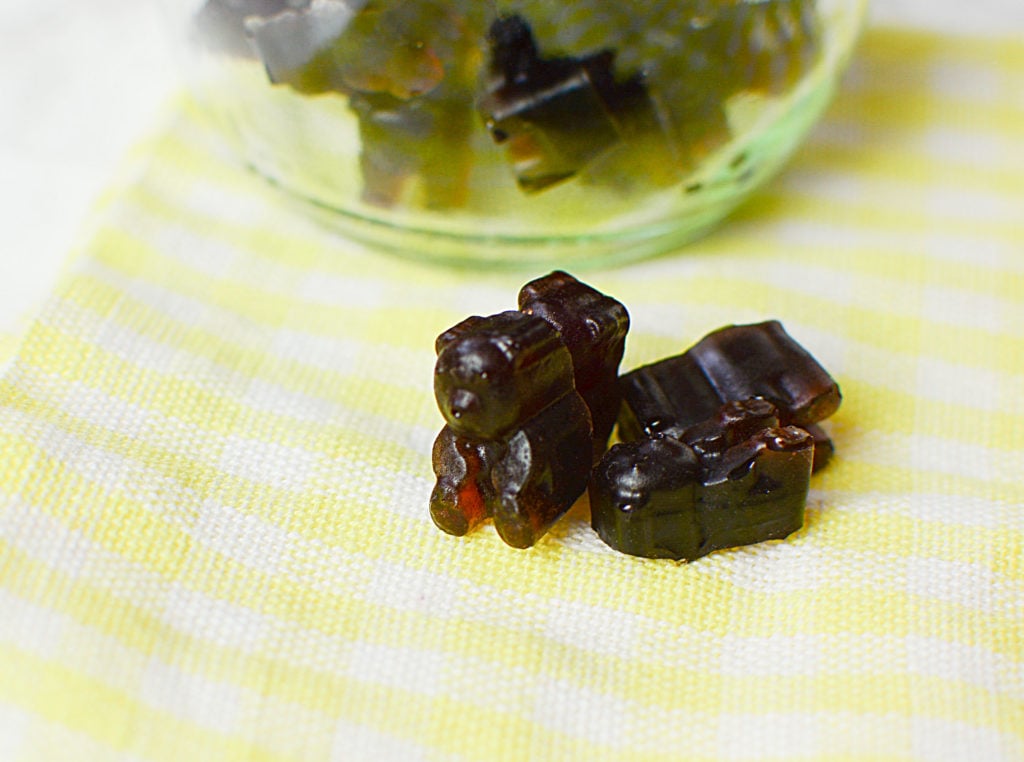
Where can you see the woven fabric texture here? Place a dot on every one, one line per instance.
(215, 465)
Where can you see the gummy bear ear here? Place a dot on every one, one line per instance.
(458, 330)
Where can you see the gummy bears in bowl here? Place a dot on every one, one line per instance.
(520, 131)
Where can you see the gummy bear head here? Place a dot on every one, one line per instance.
(492, 374)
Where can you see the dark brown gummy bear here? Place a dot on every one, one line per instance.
(518, 442)
(732, 480)
(555, 114)
(525, 483)
(593, 327)
(733, 363)
(763, 360)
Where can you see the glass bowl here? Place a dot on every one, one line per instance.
(517, 132)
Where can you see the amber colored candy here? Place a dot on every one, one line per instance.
(492, 374)
(593, 327)
(733, 363)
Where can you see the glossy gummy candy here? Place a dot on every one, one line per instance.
(713, 453)
(732, 480)
(544, 469)
(494, 373)
(518, 391)
(734, 363)
(586, 127)
(593, 327)
(518, 444)
(734, 403)
(525, 483)
(555, 115)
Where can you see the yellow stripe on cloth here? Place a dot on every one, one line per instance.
(215, 464)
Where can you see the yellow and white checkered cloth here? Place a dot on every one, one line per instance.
(215, 464)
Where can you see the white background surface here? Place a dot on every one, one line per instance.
(80, 82)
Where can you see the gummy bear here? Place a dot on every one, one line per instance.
(732, 363)
(735, 479)
(518, 442)
(555, 115)
(593, 327)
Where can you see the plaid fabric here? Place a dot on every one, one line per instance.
(215, 464)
